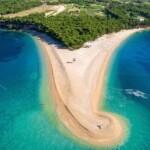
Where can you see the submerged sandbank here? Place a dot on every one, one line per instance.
(76, 79)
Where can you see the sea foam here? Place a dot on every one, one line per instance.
(137, 93)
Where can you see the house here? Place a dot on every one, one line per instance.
(140, 18)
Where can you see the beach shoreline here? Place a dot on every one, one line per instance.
(77, 86)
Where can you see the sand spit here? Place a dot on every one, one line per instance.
(76, 80)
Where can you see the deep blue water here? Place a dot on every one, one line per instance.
(128, 89)
(27, 117)
(24, 123)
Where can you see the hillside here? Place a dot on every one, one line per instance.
(14, 6)
(79, 23)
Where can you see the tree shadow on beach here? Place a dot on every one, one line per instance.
(47, 39)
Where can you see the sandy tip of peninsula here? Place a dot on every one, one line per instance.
(77, 80)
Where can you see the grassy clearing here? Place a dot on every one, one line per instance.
(91, 9)
(47, 9)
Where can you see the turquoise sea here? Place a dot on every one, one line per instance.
(127, 91)
(27, 117)
(24, 123)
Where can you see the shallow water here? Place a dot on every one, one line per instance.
(27, 117)
(128, 89)
(24, 123)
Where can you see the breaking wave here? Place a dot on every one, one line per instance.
(134, 92)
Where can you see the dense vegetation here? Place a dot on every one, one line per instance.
(74, 30)
(128, 10)
(13, 6)
(93, 1)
